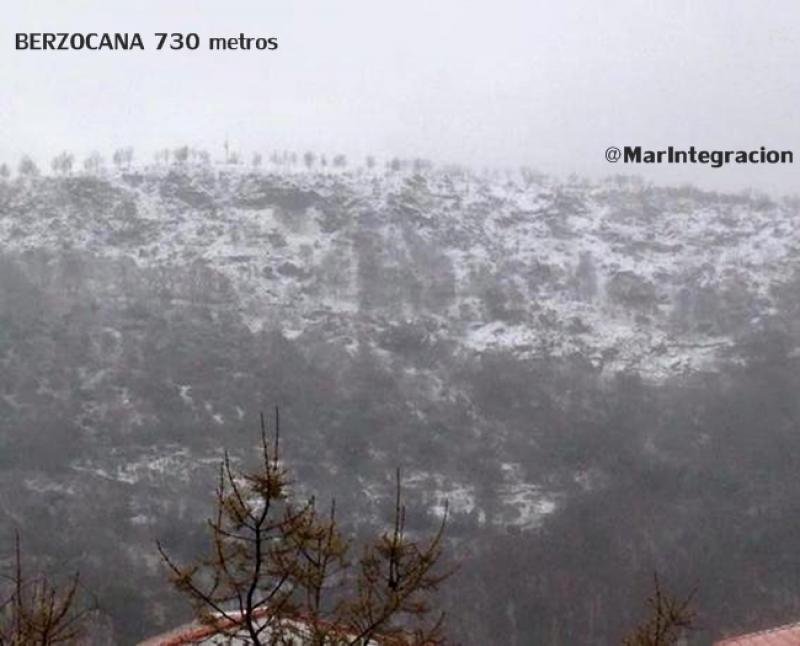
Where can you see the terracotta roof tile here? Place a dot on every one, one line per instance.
(788, 635)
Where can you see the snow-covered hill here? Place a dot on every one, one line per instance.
(629, 277)
(524, 349)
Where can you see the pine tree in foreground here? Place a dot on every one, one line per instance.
(279, 570)
(669, 619)
(36, 612)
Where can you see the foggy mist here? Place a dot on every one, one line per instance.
(320, 321)
(508, 83)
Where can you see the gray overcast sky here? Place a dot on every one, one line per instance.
(501, 82)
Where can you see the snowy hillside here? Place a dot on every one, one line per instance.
(658, 281)
(553, 360)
